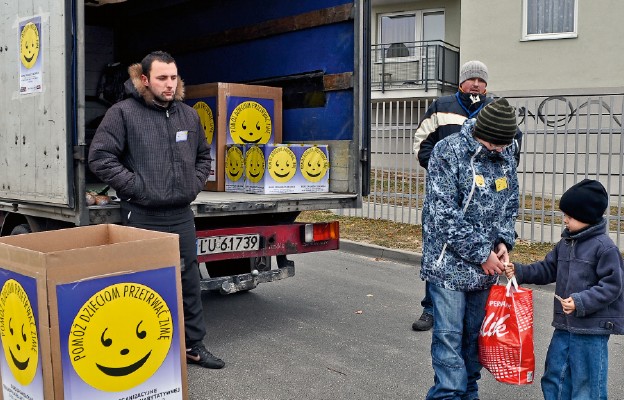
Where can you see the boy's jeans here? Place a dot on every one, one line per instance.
(457, 318)
(576, 367)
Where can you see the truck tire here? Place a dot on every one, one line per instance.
(21, 229)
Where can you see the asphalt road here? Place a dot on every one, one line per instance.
(341, 329)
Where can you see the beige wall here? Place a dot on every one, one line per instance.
(491, 31)
(451, 13)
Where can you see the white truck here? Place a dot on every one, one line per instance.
(54, 55)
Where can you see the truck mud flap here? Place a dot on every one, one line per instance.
(244, 282)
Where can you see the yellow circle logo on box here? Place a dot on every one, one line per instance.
(250, 123)
(234, 163)
(254, 164)
(282, 164)
(120, 337)
(29, 45)
(313, 164)
(206, 118)
(19, 332)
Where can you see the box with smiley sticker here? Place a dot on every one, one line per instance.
(239, 114)
(312, 168)
(269, 169)
(90, 313)
(235, 168)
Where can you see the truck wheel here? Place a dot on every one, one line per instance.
(21, 229)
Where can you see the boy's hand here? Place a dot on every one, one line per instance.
(568, 305)
(509, 270)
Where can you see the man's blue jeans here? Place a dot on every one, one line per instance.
(576, 367)
(426, 303)
(457, 318)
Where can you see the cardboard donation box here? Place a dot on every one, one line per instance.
(91, 313)
(234, 113)
(234, 168)
(286, 168)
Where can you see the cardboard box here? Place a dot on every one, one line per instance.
(313, 168)
(91, 313)
(242, 114)
(235, 168)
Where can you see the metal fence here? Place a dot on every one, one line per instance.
(565, 140)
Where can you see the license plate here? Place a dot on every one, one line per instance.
(227, 244)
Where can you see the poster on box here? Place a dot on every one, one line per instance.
(250, 120)
(206, 107)
(119, 334)
(234, 168)
(313, 168)
(20, 365)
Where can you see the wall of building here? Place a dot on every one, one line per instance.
(491, 31)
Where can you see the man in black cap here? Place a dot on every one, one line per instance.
(589, 274)
(471, 204)
(443, 118)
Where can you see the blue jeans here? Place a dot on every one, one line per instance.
(426, 303)
(576, 367)
(457, 318)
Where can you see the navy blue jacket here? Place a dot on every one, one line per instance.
(588, 267)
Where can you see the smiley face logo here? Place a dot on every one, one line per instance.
(18, 330)
(112, 353)
(234, 163)
(313, 164)
(282, 164)
(250, 123)
(254, 164)
(29, 45)
(206, 118)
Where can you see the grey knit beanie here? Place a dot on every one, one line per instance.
(496, 123)
(473, 69)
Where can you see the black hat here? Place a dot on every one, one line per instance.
(496, 123)
(586, 201)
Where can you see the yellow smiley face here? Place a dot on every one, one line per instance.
(207, 121)
(313, 164)
(250, 123)
(234, 163)
(19, 332)
(254, 164)
(112, 353)
(282, 164)
(29, 45)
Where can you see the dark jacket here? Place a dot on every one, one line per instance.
(154, 157)
(445, 117)
(471, 204)
(588, 267)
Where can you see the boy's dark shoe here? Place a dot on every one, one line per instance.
(200, 356)
(424, 323)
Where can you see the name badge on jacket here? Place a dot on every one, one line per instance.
(181, 136)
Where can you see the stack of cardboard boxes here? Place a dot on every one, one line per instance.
(243, 125)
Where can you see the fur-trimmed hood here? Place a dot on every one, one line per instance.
(135, 88)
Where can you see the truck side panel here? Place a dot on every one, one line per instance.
(34, 145)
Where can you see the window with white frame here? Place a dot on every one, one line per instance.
(398, 31)
(549, 19)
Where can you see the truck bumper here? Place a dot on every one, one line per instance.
(243, 282)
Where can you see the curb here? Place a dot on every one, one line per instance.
(371, 250)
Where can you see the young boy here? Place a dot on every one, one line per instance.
(589, 298)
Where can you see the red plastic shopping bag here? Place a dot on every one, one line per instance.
(506, 337)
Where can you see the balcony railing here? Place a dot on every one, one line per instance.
(414, 65)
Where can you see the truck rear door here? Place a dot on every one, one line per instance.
(35, 68)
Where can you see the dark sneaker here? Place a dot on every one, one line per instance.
(424, 323)
(200, 356)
